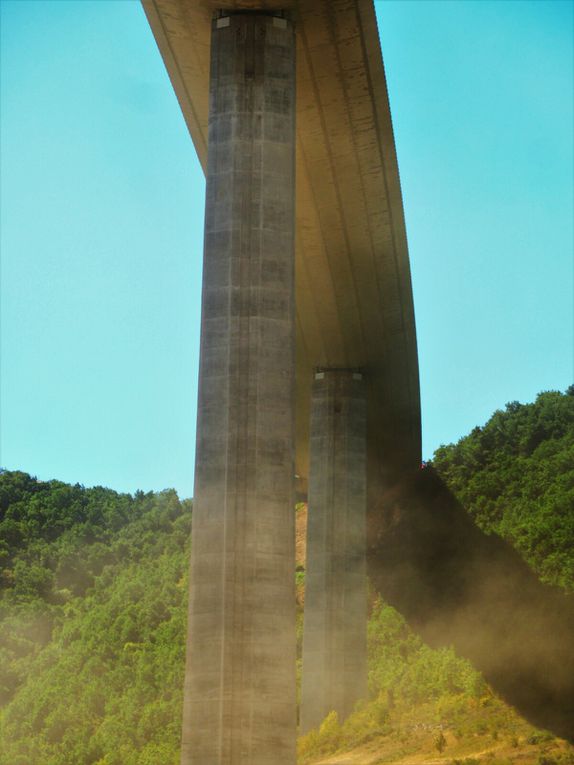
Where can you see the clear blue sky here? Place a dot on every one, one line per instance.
(102, 216)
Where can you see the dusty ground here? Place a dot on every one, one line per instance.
(413, 740)
(419, 750)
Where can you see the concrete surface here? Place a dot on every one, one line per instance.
(335, 622)
(239, 702)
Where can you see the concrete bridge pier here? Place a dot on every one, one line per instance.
(335, 622)
(239, 699)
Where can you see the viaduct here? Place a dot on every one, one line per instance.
(308, 369)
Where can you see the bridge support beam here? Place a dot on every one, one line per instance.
(335, 622)
(239, 700)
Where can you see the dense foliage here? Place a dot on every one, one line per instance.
(93, 586)
(515, 476)
(92, 617)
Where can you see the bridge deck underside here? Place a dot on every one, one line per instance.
(353, 285)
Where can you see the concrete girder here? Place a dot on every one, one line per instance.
(353, 289)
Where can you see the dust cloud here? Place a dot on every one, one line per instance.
(457, 586)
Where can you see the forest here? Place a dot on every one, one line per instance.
(93, 588)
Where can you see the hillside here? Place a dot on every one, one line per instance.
(515, 476)
(92, 617)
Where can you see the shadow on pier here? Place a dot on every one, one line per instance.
(457, 586)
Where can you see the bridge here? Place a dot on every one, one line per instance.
(308, 373)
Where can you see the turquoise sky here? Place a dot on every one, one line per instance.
(102, 217)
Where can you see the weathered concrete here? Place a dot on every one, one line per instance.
(335, 625)
(240, 677)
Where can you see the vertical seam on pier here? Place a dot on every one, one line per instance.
(226, 496)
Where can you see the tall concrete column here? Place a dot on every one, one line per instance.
(239, 700)
(335, 622)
